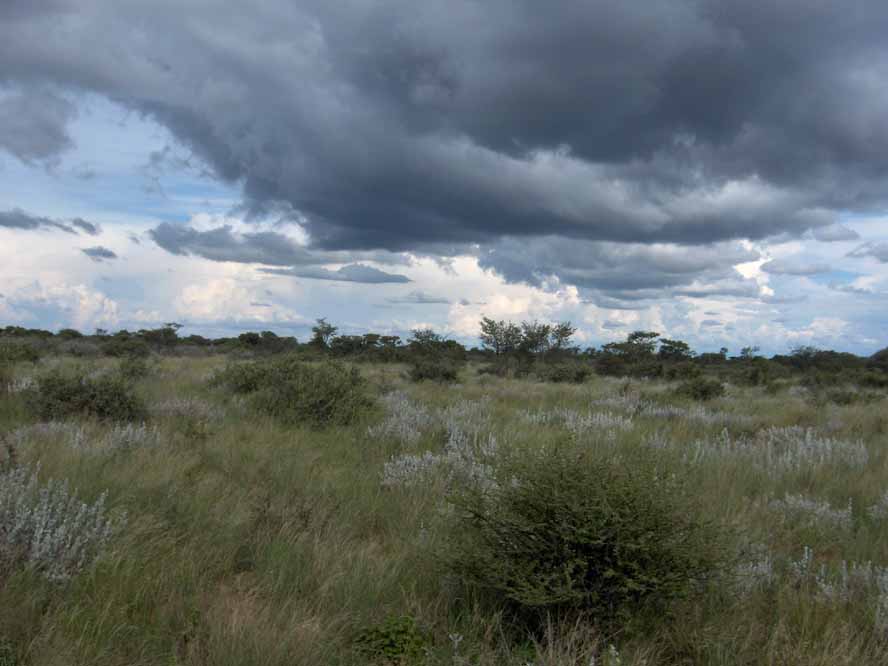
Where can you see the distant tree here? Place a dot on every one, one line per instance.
(70, 334)
(879, 360)
(674, 350)
(249, 339)
(499, 336)
(535, 337)
(749, 353)
(561, 335)
(322, 332)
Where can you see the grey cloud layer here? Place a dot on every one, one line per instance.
(349, 273)
(620, 147)
(272, 249)
(33, 125)
(19, 219)
(391, 124)
(99, 253)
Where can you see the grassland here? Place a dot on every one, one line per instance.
(240, 540)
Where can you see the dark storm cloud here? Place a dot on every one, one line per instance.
(19, 219)
(532, 134)
(391, 124)
(273, 249)
(350, 273)
(99, 253)
(620, 270)
(223, 244)
(33, 124)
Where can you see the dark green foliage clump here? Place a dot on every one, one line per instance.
(132, 368)
(574, 373)
(294, 391)
(701, 388)
(575, 533)
(242, 378)
(434, 369)
(120, 346)
(397, 640)
(59, 395)
(13, 352)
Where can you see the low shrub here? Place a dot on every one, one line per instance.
(132, 368)
(701, 389)
(875, 379)
(682, 371)
(45, 526)
(513, 367)
(294, 391)
(397, 640)
(241, 377)
(123, 346)
(573, 533)
(320, 395)
(58, 394)
(575, 373)
(14, 352)
(437, 370)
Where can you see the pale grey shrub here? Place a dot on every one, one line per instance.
(756, 571)
(576, 423)
(407, 421)
(813, 512)
(21, 384)
(130, 436)
(849, 582)
(45, 526)
(466, 458)
(188, 408)
(120, 437)
(69, 432)
(879, 510)
(780, 450)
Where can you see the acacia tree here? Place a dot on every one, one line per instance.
(322, 332)
(535, 337)
(561, 335)
(499, 336)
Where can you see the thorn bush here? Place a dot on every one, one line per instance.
(568, 532)
(701, 388)
(294, 391)
(58, 394)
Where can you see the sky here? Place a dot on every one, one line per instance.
(713, 170)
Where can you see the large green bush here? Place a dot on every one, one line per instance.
(294, 391)
(59, 394)
(434, 369)
(701, 388)
(571, 372)
(571, 532)
(15, 351)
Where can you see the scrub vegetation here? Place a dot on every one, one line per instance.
(359, 500)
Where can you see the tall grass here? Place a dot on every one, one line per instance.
(258, 540)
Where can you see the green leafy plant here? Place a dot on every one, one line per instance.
(58, 394)
(575, 373)
(132, 368)
(293, 391)
(571, 532)
(701, 388)
(434, 369)
(397, 640)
